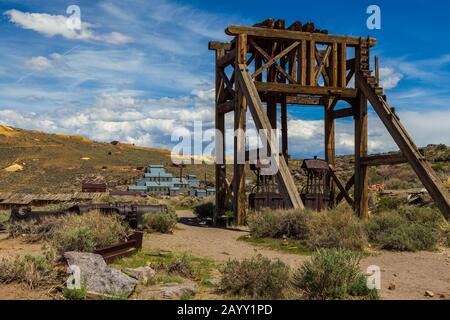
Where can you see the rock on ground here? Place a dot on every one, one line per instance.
(98, 277)
(172, 291)
(142, 273)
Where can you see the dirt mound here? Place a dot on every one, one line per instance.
(14, 168)
(78, 138)
(8, 131)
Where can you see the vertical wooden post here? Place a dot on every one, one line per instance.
(361, 149)
(302, 63)
(311, 53)
(239, 200)
(334, 65)
(221, 184)
(377, 71)
(284, 129)
(330, 150)
(342, 65)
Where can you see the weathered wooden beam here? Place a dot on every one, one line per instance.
(226, 60)
(299, 89)
(274, 59)
(401, 137)
(285, 180)
(361, 189)
(295, 35)
(343, 113)
(374, 160)
(350, 183)
(329, 134)
(217, 45)
(305, 100)
(340, 186)
(225, 107)
(240, 199)
(284, 129)
(381, 160)
(220, 168)
(267, 57)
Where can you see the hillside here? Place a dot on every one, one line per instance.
(33, 161)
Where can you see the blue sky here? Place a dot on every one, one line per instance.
(140, 70)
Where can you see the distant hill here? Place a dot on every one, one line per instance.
(34, 161)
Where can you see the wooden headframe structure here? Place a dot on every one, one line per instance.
(299, 65)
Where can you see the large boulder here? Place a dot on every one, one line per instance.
(97, 277)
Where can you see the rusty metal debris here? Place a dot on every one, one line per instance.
(123, 249)
(129, 212)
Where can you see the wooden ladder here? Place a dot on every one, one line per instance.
(427, 176)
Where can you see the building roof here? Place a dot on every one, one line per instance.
(315, 164)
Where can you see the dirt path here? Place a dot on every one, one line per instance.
(13, 247)
(412, 273)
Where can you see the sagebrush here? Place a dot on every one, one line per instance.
(33, 271)
(256, 277)
(159, 222)
(333, 274)
(88, 232)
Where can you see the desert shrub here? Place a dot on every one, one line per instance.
(159, 222)
(4, 216)
(33, 231)
(88, 232)
(389, 203)
(75, 294)
(409, 237)
(406, 229)
(279, 223)
(393, 183)
(176, 264)
(338, 228)
(204, 210)
(257, 277)
(332, 274)
(34, 271)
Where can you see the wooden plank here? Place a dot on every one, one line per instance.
(285, 180)
(342, 65)
(382, 159)
(225, 107)
(305, 100)
(295, 35)
(334, 66)
(226, 60)
(284, 129)
(343, 113)
(311, 58)
(299, 89)
(303, 63)
(323, 63)
(344, 192)
(217, 45)
(329, 135)
(240, 199)
(350, 183)
(401, 137)
(361, 149)
(267, 57)
(274, 59)
(220, 168)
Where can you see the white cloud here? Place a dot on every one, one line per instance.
(58, 25)
(39, 63)
(389, 79)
